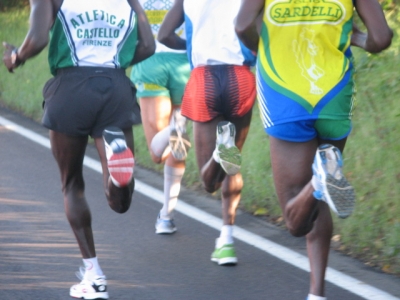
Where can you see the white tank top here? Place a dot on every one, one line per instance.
(212, 39)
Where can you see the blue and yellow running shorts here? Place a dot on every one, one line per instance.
(306, 130)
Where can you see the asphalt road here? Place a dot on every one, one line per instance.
(39, 255)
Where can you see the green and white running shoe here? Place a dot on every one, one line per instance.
(226, 255)
(228, 154)
(329, 183)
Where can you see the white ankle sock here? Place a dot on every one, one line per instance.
(172, 187)
(225, 236)
(160, 142)
(313, 297)
(92, 268)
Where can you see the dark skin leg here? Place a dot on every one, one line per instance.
(212, 174)
(69, 152)
(304, 215)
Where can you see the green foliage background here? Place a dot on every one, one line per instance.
(11, 4)
(372, 233)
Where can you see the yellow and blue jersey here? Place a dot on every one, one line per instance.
(304, 65)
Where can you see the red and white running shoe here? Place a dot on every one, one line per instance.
(120, 159)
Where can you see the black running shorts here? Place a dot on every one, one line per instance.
(82, 101)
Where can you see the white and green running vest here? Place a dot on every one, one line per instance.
(93, 33)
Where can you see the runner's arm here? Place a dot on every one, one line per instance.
(146, 45)
(249, 21)
(378, 36)
(173, 19)
(40, 21)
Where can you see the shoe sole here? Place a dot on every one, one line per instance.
(166, 232)
(230, 159)
(226, 261)
(340, 195)
(120, 166)
(179, 144)
(339, 192)
(90, 296)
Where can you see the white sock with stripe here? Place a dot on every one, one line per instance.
(92, 268)
(172, 187)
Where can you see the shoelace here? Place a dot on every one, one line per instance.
(80, 273)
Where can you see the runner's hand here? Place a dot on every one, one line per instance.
(7, 57)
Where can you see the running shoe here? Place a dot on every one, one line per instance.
(228, 154)
(329, 182)
(225, 256)
(89, 289)
(179, 140)
(120, 160)
(165, 226)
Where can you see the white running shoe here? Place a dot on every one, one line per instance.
(329, 183)
(164, 226)
(179, 141)
(120, 160)
(226, 151)
(89, 289)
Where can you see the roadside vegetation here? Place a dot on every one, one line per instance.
(372, 161)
